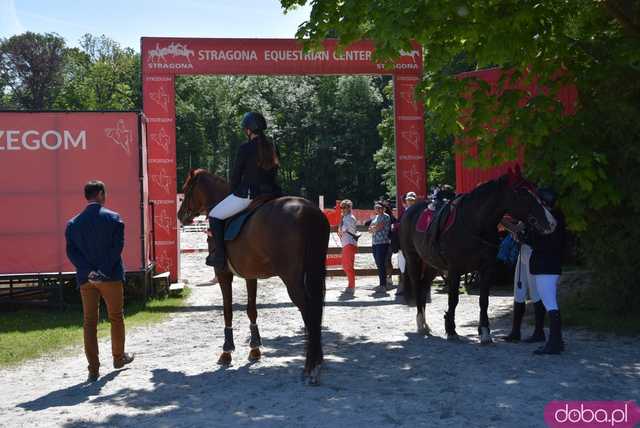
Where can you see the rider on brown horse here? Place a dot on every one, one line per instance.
(254, 174)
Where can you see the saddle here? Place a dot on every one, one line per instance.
(433, 225)
(233, 225)
(443, 218)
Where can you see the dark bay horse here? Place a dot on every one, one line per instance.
(469, 244)
(286, 237)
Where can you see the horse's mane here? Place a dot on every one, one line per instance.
(483, 190)
(197, 172)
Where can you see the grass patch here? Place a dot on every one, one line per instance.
(586, 309)
(30, 333)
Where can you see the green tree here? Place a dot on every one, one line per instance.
(31, 66)
(100, 75)
(591, 157)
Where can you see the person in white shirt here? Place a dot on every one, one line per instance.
(349, 241)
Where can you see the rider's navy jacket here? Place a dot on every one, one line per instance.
(248, 179)
(95, 239)
(547, 250)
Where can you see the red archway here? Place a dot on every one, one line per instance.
(164, 58)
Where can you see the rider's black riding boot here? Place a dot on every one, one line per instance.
(219, 258)
(518, 313)
(210, 245)
(554, 345)
(538, 332)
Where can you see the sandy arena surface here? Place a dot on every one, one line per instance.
(377, 371)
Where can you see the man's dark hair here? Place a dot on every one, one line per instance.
(93, 189)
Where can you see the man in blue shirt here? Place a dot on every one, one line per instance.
(95, 239)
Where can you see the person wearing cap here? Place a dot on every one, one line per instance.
(379, 227)
(409, 199)
(349, 241)
(254, 174)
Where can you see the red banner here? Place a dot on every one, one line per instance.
(171, 56)
(163, 58)
(45, 161)
(409, 118)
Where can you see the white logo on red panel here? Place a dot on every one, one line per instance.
(413, 176)
(164, 260)
(414, 54)
(174, 50)
(410, 99)
(162, 180)
(164, 221)
(120, 135)
(161, 138)
(411, 136)
(161, 98)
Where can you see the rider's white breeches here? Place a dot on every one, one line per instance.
(547, 288)
(229, 206)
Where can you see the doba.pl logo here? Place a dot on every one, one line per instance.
(592, 414)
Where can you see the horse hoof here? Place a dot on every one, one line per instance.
(424, 331)
(313, 376)
(255, 354)
(485, 336)
(225, 359)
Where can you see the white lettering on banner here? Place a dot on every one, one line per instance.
(161, 161)
(297, 55)
(409, 66)
(410, 157)
(169, 66)
(165, 242)
(157, 79)
(163, 201)
(227, 55)
(160, 120)
(48, 140)
(353, 56)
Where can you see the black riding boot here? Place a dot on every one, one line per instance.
(211, 245)
(219, 258)
(518, 313)
(554, 345)
(538, 332)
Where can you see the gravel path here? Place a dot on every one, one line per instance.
(378, 372)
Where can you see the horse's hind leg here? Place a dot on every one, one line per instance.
(252, 312)
(225, 279)
(453, 291)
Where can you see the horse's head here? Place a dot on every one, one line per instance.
(524, 204)
(202, 190)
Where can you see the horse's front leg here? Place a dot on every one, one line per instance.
(453, 291)
(486, 275)
(252, 312)
(423, 294)
(225, 279)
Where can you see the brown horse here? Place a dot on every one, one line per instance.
(469, 244)
(286, 237)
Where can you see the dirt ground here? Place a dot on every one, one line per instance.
(377, 371)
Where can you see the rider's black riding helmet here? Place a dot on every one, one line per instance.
(253, 121)
(548, 196)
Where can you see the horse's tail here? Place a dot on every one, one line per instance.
(313, 279)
